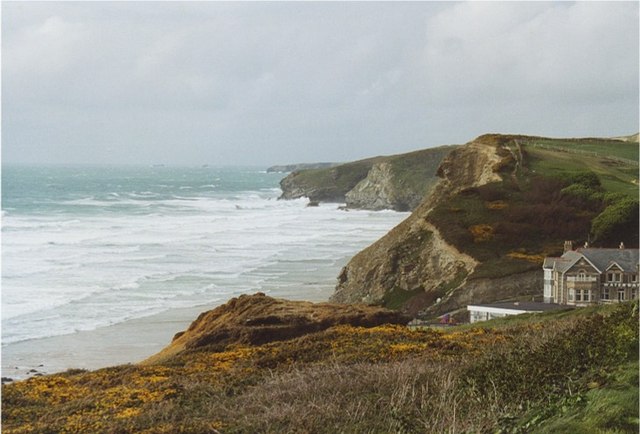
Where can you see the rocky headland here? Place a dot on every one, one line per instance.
(500, 205)
(397, 182)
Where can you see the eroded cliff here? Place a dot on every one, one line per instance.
(413, 265)
(502, 204)
(397, 182)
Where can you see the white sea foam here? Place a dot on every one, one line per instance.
(68, 272)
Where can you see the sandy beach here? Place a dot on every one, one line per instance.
(127, 342)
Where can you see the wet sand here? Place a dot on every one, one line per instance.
(128, 342)
(124, 343)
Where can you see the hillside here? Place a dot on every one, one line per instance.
(502, 204)
(567, 371)
(259, 319)
(397, 182)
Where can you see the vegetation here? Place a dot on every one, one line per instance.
(561, 372)
(548, 194)
(618, 221)
(595, 147)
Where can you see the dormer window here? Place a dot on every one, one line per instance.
(614, 277)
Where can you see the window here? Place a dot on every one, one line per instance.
(582, 275)
(621, 295)
(571, 295)
(586, 295)
(604, 295)
(634, 293)
(613, 277)
(634, 277)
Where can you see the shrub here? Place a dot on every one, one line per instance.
(618, 222)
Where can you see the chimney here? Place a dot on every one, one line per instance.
(568, 246)
(621, 245)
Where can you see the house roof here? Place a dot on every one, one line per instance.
(627, 259)
(550, 262)
(567, 260)
(600, 259)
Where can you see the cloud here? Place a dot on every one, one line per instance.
(570, 53)
(260, 83)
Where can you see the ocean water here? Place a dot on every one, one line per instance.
(90, 247)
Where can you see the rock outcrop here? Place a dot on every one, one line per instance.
(388, 186)
(325, 185)
(397, 182)
(258, 319)
(414, 257)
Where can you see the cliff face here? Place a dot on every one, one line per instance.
(397, 182)
(375, 191)
(413, 260)
(502, 203)
(325, 184)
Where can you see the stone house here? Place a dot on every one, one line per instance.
(587, 276)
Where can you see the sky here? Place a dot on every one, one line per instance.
(262, 83)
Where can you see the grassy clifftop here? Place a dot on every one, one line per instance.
(562, 372)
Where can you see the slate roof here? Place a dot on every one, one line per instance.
(567, 260)
(550, 262)
(601, 259)
(627, 259)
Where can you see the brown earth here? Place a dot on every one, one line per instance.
(258, 319)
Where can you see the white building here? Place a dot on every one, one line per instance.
(484, 312)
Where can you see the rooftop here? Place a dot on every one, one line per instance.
(627, 259)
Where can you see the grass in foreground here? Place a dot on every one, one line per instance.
(536, 373)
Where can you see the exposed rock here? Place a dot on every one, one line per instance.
(381, 190)
(325, 185)
(413, 256)
(259, 319)
(397, 182)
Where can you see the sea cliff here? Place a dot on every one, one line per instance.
(397, 182)
(500, 205)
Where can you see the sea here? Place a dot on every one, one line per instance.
(89, 247)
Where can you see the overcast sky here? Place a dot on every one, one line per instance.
(266, 83)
